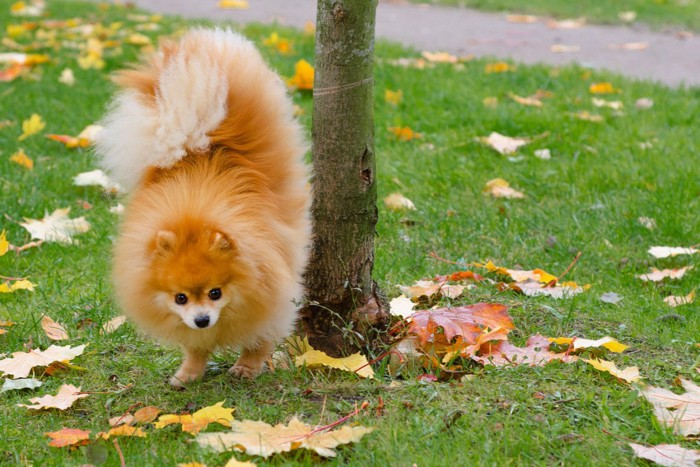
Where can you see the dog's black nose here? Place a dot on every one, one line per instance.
(201, 321)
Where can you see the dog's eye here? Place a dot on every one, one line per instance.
(180, 299)
(215, 294)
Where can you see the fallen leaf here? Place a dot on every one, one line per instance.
(146, 414)
(666, 251)
(53, 330)
(577, 343)
(123, 430)
(56, 227)
(498, 67)
(675, 301)
(11, 73)
(602, 88)
(610, 297)
(233, 4)
(257, 438)
(393, 97)
(20, 363)
(681, 412)
(670, 455)
(657, 275)
(522, 19)
(499, 188)
(21, 158)
(647, 222)
(404, 133)
(491, 102)
(4, 244)
(397, 201)
(468, 323)
(191, 464)
(587, 116)
(429, 289)
(138, 39)
(439, 57)
(113, 324)
(401, 306)
(629, 375)
(566, 23)
(564, 49)
(233, 462)
(533, 288)
(531, 101)
(22, 8)
(126, 419)
(535, 353)
(31, 126)
(644, 103)
(355, 363)
(12, 286)
(632, 46)
(67, 77)
(194, 423)
(303, 76)
(503, 144)
(518, 275)
(98, 178)
(24, 383)
(615, 105)
(543, 154)
(68, 437)
(66, 396)
(627, 16)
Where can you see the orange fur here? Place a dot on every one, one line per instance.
(232, 217)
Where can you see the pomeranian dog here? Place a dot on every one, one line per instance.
(215, 235)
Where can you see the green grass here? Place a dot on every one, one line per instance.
(587, 198)
(658, 14)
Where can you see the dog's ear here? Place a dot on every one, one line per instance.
(163, 242)
(221, 241)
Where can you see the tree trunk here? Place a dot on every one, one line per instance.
(344, 307)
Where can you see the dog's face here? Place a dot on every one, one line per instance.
(195, 273)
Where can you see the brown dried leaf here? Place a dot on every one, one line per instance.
(21, 363)
(146, 414)
(53, 330)
(535, 353)
(66, 396)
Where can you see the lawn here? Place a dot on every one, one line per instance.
(603, 176)
(659, 14)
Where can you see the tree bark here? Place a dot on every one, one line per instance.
(344, 308)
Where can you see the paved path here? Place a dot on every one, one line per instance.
(669, 58)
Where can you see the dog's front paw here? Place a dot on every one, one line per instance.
(181, 378)
(245, 371)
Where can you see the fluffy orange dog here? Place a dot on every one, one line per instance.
(215, 235)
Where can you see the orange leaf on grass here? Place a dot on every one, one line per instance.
(123, 430)
(404, 133)
(466, 322)
(146, 414)
(602, 88)
(303, 76)
(68, 437)
(21, 158)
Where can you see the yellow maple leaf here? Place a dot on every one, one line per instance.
(607, 342)
(630, 374)
(260, 439)
(233, 4)
(194, 423)
(498, 67)
(303, 76)
(22, 284)
(355, 363)
(138, 39)
(602, 88)
(31, 126)
(4, 244)
(21, 158)
(393, 97)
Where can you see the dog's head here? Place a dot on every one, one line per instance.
(196, 273)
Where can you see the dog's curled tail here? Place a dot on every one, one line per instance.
(209, 88)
